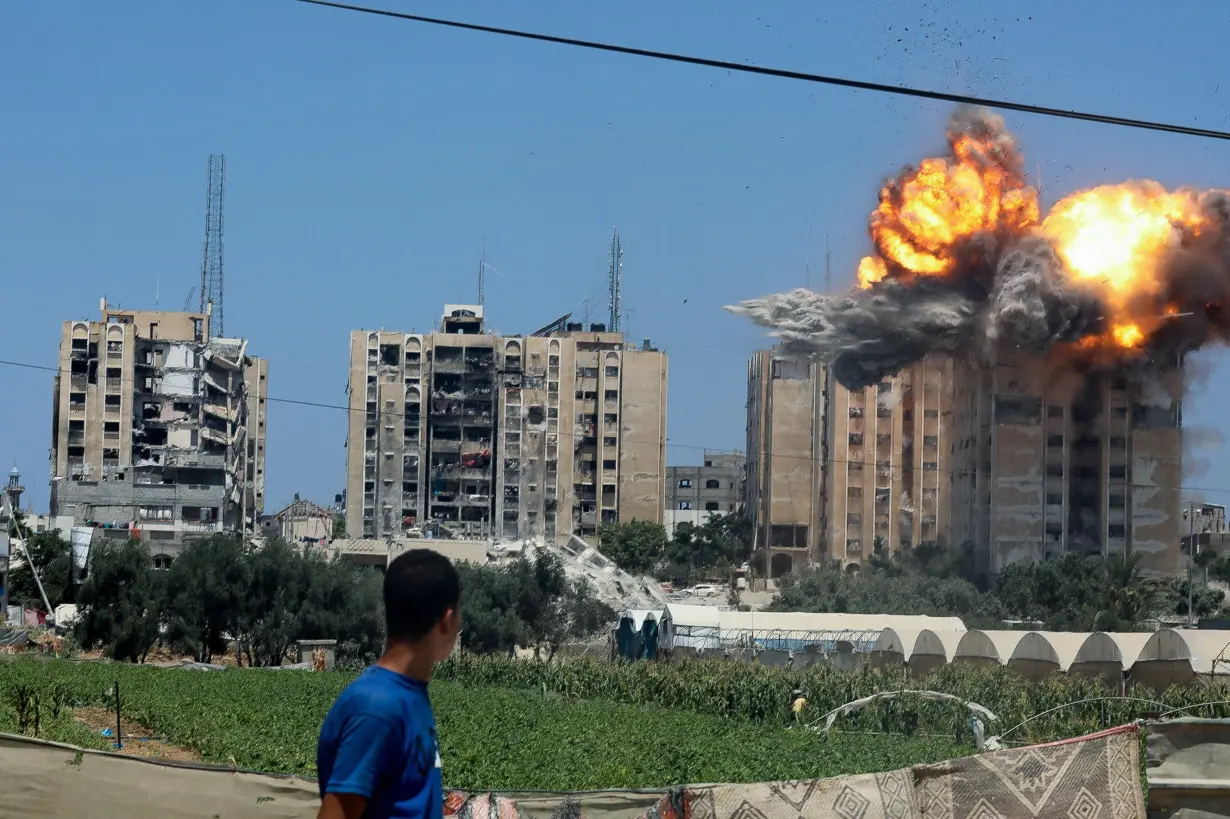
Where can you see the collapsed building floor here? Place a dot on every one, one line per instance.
(158, 428)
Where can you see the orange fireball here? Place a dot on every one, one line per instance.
(1115, 241)
(871, 270)
(926, 214)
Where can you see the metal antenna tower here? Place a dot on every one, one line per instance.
(616, 281)
(828, 266)
(482, 276)
(211, 256)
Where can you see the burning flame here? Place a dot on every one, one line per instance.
(927, 214)
(1127, 335)
(871, 270)
(964, 263)
(1115, 240)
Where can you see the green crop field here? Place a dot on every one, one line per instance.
(491, 738)
(756, 692)
(572, 725)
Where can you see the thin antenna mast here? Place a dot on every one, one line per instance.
(615, 281)
(482, 274)
(828, 266)
(211, 256)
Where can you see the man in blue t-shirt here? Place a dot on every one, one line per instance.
(379, 755)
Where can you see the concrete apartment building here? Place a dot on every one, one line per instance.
(695, 493)
(832, 472)
(502, 436)
(1087, 463)
(886, 477)
(157, 426)
(785, 457)
(1209, 518)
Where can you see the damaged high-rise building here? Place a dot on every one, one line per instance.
(158, 429)
(834, 474)
(1047, 461)
(488, 435)
(886, 474)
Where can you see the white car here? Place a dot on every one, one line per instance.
(704, 591)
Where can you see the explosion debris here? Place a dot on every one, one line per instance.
(1112, 276)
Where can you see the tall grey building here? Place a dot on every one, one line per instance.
(158, 427)
(487, 435)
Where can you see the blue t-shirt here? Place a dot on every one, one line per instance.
(379, 741)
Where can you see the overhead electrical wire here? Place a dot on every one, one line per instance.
(300, 402)
(782, 73)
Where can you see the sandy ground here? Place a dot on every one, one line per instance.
(138, 741)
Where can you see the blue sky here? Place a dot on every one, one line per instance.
(368, 159)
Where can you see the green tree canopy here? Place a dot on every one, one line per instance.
(635, 546)
(53, 558)
(529, 602)
(205, 592)
(120, 603)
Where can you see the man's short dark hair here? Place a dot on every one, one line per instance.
(419, 587)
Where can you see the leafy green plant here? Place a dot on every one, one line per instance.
(580, 724)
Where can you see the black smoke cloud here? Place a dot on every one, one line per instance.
(1010, 289)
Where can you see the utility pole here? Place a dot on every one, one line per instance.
(1191, 561)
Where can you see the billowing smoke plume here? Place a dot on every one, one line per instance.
(964, 264)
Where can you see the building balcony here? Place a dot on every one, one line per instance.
(445, 445)
(470, 473)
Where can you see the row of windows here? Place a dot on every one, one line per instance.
(711, 483)
(710, 506)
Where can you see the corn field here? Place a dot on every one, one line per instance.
(762, 694)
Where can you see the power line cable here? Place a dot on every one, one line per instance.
(782, 73)
(901, 468)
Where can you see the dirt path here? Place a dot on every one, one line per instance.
(138, 740)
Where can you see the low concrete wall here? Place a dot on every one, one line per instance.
(1188, 768)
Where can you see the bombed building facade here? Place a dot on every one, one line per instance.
(886, 473)
(1083, 462)
(785, 457)
(834, 473)
(158, 428)
(1068, 328)
(484, 435)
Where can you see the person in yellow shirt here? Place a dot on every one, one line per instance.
(799, 705)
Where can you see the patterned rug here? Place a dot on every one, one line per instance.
(1091, 777)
